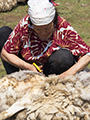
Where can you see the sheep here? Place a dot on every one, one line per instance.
(27, 95)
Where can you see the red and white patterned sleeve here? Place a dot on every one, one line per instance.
(70, 39)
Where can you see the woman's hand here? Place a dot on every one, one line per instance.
(33, 68)
(64, 74)
(80, 65)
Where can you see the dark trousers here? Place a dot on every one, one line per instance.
(4, 33)
(60, 61)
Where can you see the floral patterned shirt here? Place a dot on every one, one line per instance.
(25, 40)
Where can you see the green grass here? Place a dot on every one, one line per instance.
(2, 70)
(14, 16)
(78, 15)
(76, 12)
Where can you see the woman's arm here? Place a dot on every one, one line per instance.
(80, 65)
(16, 61)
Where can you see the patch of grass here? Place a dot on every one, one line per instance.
(76, 12)
(14, 16)
(2, 70)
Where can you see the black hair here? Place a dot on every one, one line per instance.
(56, 18)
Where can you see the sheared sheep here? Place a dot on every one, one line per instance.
(27, 95)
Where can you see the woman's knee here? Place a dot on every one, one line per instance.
(9, 68)
(4, 34)
(59, 62)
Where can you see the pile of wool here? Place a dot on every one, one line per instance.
(7, 5)
(27, 95)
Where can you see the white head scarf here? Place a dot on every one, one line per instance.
(41, 12)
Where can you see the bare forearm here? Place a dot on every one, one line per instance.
(16, 61)
(80, 65)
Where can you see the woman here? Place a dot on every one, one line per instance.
(37, 37)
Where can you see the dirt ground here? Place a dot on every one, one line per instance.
(10, 18)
